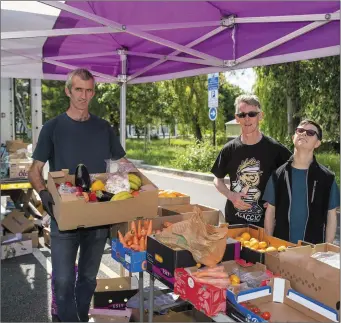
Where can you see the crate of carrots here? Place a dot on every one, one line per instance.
(130, 248)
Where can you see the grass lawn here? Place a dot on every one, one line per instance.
(160, 153)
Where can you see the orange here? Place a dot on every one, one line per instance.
(270, 249)
(281, 248)
(254, 244)
(263, 245)
(246, 236)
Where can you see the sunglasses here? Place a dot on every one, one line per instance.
(251, 114)
(309, 132)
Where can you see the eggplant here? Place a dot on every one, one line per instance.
(103, 196)
(82, 178)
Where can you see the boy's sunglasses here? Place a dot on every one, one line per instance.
(251, 114)
(309, 132)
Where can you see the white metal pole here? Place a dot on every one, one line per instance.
(123, 99)
(36, 110)
(12, 108)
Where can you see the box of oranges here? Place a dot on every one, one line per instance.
(255, 242)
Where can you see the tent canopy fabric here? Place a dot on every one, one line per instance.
(164, 40)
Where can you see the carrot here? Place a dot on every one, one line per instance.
(167, 224)
(143, 233)
(145, 243)
(133, 226)
(128, 236)
(129, 243)
(209, 270)
(150, 228)
(142, 244)
(135, 240)
(139, 229)
(145, 225)
(121, 239)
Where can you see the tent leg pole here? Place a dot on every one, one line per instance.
(123, 101)
(36, 110)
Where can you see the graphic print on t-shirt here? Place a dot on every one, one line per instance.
(247, 181)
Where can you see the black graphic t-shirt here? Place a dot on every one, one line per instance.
(249, 168)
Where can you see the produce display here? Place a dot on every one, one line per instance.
(254, 244)
(117, 187)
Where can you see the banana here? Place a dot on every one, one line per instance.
(121, 196)
(133, 186)
(135, 179)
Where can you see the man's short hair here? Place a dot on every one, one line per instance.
(308, 121)
(83, 73)
(248, 99)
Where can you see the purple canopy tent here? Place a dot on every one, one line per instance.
(135, 42)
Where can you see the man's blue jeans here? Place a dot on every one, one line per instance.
(73, 298)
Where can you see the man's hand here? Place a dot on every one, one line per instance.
(47, 201)
(236, 199)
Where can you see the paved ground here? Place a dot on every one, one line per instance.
(25, 280)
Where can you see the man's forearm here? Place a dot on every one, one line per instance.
(331, 226)
(35, 176)
(221, 186)
(269, 221)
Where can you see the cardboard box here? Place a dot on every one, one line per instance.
(72, 212)
(15, 246)
(250, 255)
(102, 315)
(179, 200)
(163, 260)
(307, 275)
(47, 237)
(281, 301)
(34, 236)
(114, 293)
(18, 168)
(16, 222)
(186, 209)
(13, 145)
(205, 297)
(133, 261)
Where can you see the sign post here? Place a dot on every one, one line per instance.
(213, 94)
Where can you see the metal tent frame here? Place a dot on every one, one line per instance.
(205, 63)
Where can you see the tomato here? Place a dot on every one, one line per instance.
(266, 315)
(244, 304)
(69, 184)
(255, 310)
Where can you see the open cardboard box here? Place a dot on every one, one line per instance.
(258, 233)
(114, 293)
(307, 275)
(15, 245)
(206, 297)
(16, 222)
(135, 261)
(72, 212)
(281, 301)
(179, 200)
(186, 209)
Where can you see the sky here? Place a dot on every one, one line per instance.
(244, 78)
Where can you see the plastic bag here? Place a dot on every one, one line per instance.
(117, 182)
(64, 189)
(252, 279)
(330, 258)
(114, 166)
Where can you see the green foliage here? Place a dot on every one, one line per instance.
(311, 88)
(332, 161)
(198, 157)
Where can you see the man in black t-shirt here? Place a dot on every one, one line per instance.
(249, 161)
(72, 138)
